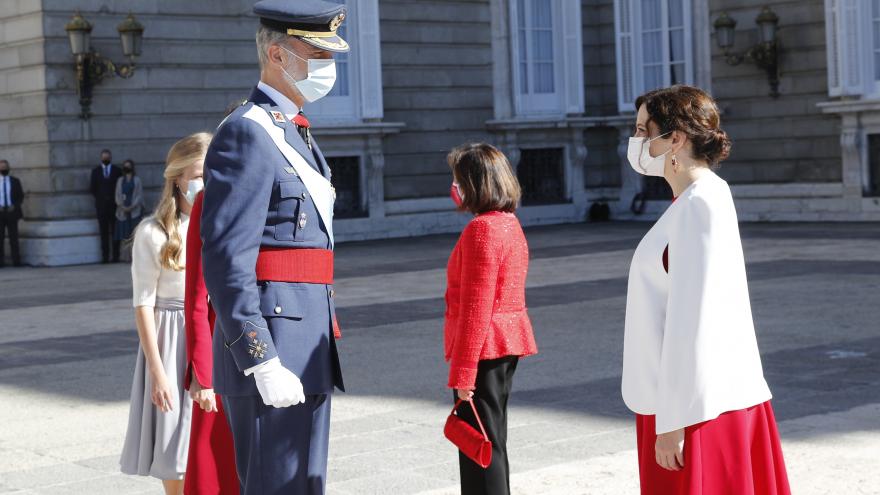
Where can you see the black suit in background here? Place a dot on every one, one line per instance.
(9, 217)
(104, 191)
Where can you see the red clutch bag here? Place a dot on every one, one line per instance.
(470, 442)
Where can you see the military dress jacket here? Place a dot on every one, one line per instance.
(254, 198)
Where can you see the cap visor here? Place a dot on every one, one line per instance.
(332, 44)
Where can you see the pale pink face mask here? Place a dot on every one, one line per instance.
(455, 194)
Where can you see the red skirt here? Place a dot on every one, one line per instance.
(210, 468)
(737, 453)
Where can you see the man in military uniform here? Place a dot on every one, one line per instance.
(268, 256)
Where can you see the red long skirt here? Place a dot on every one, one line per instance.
(737, 453)
(210, 468)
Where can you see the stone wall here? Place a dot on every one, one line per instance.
(600, 77)
(24, 140)
(437, 78)
(786, 139)
(23, 132)
(191, 68)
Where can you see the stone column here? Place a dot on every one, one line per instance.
(630, 182)
(375, 177)
(577, 157)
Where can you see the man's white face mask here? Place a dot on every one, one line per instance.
(321, 78)
(639, 155)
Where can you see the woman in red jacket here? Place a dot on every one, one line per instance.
(487, 328)
(211, 463)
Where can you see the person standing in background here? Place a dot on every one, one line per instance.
(103, 189)
(11, 198)
(129, 202)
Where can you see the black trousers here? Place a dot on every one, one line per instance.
(106, 224)
(9, 222)
(494, 380)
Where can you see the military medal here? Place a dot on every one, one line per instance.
(303, 219)
(257, 349)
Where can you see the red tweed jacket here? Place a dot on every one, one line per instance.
(486, 314)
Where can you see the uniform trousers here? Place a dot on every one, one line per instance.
(280, 450)
(493, 384)
(106, 226)
(9, 222)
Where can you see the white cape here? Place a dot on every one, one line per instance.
(690, 351)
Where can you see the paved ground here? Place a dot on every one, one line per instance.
(67, 345)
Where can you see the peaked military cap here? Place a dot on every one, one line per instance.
(313, 21)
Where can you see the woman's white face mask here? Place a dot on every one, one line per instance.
(639, 155)
(193, 188)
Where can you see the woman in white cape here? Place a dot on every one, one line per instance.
(691, 368)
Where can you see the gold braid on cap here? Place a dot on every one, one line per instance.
(311, 34)
(334, 26)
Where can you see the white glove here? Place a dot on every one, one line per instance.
(277, 385)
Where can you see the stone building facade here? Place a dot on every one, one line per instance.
(549, 81)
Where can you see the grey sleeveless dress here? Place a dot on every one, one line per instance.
(157, 443)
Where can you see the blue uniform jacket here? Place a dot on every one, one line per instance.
(253, 198)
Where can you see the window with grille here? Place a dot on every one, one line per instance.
(872, 188)
(541, 174)
(350, 202)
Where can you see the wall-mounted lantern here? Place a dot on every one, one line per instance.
(765, 54)
(91, 67)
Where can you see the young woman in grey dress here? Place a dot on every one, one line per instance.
(157, 439)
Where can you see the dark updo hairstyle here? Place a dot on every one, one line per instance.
(692, 111)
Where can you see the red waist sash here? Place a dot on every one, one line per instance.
(307, 266)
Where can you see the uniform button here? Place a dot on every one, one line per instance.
(332, 292)
(277, 310)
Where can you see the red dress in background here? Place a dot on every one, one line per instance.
(211, 464)
(737, 453)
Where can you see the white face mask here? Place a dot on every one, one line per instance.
(193, 188)
(639, 155)
(319, 82)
